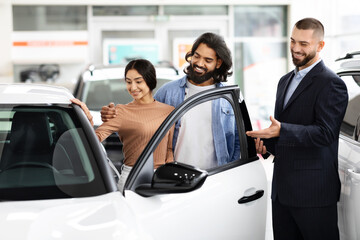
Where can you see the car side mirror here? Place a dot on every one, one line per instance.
(173, 177)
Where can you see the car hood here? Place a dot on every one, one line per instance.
(103, 217)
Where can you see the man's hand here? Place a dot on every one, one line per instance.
(108, 112)
(84, 108)
(270, 132)
(259, 145)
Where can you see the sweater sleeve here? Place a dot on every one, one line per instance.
(107, 128)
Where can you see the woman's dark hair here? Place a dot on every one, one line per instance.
(217, 43)
(146, 69)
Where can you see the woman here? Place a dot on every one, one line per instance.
(137, 121)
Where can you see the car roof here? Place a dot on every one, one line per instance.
(349, 63)
(29, 93)
(102, 72)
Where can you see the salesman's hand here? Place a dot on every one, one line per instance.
(270, 132)
(108, 112)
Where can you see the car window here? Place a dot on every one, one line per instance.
(351, 123)
(100, 93)
(45, 154)
(207, 136)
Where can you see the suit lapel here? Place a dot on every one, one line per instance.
(305, 82)
(280, 103)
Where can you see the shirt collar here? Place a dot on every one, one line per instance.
(193, 86)
(304, 71)
(183, 81)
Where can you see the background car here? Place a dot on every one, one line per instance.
(97, 86)
(55, 179)
(348, 68)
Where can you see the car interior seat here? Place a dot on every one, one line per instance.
(30, 141)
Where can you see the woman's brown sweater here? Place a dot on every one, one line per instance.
(136, 123)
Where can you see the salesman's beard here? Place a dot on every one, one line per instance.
(303, 62)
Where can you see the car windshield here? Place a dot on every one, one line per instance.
(45, 155)
(102, 92)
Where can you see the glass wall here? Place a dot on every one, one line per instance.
(349, 36)
(260, 21)
(125, 10)
(260, 56)
(196, 10)
(49, 18)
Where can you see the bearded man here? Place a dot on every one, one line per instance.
(209, 65)
(310, 105)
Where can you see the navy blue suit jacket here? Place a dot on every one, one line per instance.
(306, 152)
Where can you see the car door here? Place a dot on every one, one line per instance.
(181, 201)
(349, 162)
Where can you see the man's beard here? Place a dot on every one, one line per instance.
(196, 78)
(298, 63)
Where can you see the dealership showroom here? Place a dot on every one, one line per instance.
(55, 50)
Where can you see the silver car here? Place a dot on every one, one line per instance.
(348, 68)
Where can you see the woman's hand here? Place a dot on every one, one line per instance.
(84, 108)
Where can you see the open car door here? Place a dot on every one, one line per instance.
(182, 201)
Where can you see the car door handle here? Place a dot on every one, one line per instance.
(354, 174)
(258, 194)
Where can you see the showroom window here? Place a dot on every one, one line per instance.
(124, 10)
(260, 21)
(49, 18)
(260, 52)
(196, 10)
(347, 34)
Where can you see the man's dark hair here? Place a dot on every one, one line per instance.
(217, 43)
(146, 69)
(313, 24)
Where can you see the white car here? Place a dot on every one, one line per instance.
(56, 181)
(348, 68)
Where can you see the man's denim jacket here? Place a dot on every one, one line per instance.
(226, 137)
